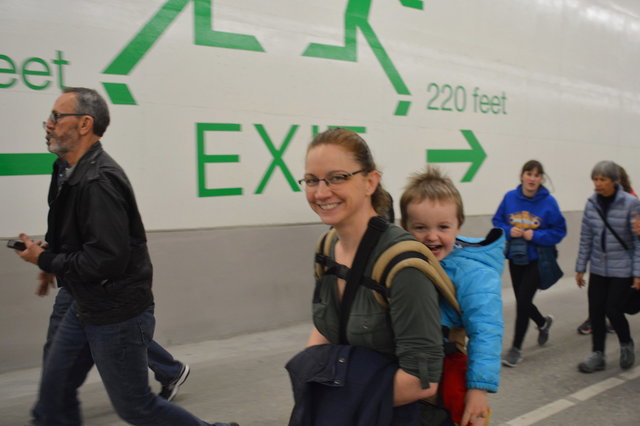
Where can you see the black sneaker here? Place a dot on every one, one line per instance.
(170, 390)
(543, 332)
(225, 424)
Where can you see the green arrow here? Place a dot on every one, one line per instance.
(475, 155)
(26, 164)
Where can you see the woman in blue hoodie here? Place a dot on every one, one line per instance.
(530, 217)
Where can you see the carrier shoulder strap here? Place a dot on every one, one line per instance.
(323, 247)
(401, 255)
(404, 254)
(376, 226)
(412, 254)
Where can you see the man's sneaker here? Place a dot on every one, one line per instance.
(170, 390)
(627, 355)
(543, 332)
(512, 357)
(224, 424)
(585, 327)
(594, 362)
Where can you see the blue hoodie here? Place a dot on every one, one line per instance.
(540, 213)
(475, 267)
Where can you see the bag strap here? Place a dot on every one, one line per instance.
(604, 219)
(375, 228)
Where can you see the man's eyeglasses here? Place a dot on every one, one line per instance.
(332, 179)
(55, 116)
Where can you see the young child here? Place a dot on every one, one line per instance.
(432, 211)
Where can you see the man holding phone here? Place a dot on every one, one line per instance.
(97, 249)
(169, 372)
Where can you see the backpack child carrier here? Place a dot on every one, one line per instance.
(403, 254)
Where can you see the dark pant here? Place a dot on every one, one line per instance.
(606, 298)
(165, 367)
(79, 370)
(525, 280)
(120, 353)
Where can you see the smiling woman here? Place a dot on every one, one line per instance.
(334, 158)
(402, 342)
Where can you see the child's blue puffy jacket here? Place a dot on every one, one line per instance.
(475, 267)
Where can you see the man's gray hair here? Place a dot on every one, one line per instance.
(89, 102)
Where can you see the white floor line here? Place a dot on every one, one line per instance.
(562, 404)
(634, 373)
(541, 413)
(595, 389)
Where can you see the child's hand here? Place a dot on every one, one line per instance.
(476, 408)
(580, 279)
(528, 234)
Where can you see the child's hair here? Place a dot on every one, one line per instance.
(431, 185)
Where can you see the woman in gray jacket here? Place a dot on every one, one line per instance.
(608, 244)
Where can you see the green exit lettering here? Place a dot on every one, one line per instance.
(276, 150)
(35, 73)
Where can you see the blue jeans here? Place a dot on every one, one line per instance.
(165, 368)
(120, 354)
(80, 368)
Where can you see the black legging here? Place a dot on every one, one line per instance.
(606, 297)
(525, 279)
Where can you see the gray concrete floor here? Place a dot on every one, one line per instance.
(243, 378)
